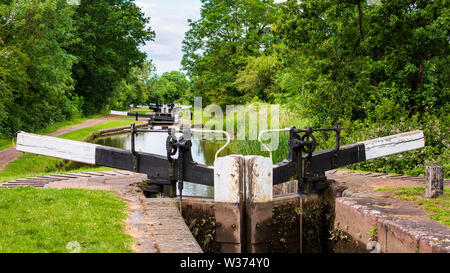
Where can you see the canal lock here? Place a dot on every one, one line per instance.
(319, 234)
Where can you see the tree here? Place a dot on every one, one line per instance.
(170, 87)
(35, 71)
(350, 60)
(257, 78)
(134, 90)
(217, 45)
(109, 33)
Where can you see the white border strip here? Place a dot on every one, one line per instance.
(56, 147)
(394, 144)
(118, 113)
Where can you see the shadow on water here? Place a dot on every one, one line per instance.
(203, 151)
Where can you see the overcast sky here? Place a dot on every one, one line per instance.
(168, 18)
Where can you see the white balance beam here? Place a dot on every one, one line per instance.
(86, 152)
(394, 144)
(56, 147)
(118, 113)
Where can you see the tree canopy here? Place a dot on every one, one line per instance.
(380, 67)
(218, 44)
(60, 61)
(35, 71)
(109, 33)
(346, 59)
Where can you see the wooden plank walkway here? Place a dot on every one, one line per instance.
(106, 180)
(169, 230)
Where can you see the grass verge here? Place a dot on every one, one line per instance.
(45, 221)
(85, 133)
(29, 165)
(439, 207)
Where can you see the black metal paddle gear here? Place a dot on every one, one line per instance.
(171, 147)
(302, 144)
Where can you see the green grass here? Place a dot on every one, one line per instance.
(439, 207)
(7, 142)
(45, 221)
(85, 133)
(125, 117)
(30, 165)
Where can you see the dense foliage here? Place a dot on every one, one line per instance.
(35, 69)
(220, 43)
(381, 67)
(144, 86)
(347, 59)
(61, 61)
(109, 33)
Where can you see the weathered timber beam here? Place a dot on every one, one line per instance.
(198, 174)
(122, 128)
(57, 147)
(118, 113)
(258, 203)
(326, 160)
(155, 166)
(140, 115)
(143, 107)
(284, 171)
(395, 144)
(75, 150)
(131, 114)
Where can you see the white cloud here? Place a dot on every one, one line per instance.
(169, 20)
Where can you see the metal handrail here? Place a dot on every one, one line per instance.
(174, 130)
(269, 131)
(218, 132)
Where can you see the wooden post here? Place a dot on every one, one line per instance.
(258, 203)
(228, 196)
(434, 181)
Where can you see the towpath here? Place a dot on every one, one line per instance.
(10, 154)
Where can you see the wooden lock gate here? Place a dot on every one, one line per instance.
(242, 184)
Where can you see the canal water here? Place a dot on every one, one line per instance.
(203, 151)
